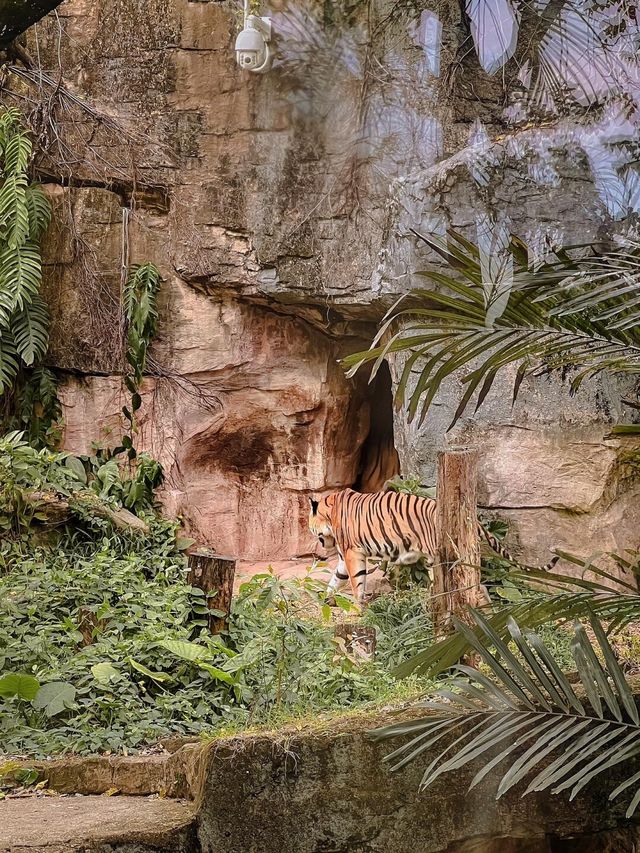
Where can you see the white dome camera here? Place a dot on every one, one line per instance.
(253, 51)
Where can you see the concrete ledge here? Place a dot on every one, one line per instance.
(96, 824)
(167, 774)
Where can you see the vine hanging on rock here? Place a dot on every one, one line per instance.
(27, 389)
(140, 305)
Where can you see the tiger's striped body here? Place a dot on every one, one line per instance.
(390, 526)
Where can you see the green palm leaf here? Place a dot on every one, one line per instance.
(39, 210)
(30, 327)
(14, 213)
(20, 274)
(579, 312)
(546, 597)
(526, 718)
(9, 362)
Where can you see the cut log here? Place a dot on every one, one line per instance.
(456, 573)
(55, 509)
(359, 640)
(214, 575)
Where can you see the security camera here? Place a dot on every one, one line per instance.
(253, 52)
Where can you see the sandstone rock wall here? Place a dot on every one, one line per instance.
(278, 209)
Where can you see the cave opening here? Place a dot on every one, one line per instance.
(379, 460)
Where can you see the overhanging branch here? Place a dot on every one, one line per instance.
(16, 16)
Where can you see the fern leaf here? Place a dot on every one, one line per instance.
(17, 153)
(9, 363)
(9, 122)
(14, 214)
(20, 274)
(142, 283)
(39, 211)
(30, 327)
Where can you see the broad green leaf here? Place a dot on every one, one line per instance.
(75, 465)
(20, 685)
(155, 676)
(218, 674)
(186, 650)
(54, 698)
(104, 672)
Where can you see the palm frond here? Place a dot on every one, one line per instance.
(563, 314)
(30, 327)
(9, 363)
(17, 153)
(39, 210)
(20, 273)
(546, 597)
(526, 717)
(14, 214)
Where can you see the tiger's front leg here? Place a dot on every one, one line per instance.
(356, 564)
(338, 579)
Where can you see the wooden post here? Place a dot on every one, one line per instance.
(88, 622)
(213, 574)
(359, 640)
(456, 572)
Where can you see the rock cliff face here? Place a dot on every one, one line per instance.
(278, 209)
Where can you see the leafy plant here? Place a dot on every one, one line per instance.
(403, 624)
(33, 408)
(140, 297)
(542, 599)
(110, 481)
(25, 213)
(105, 645)
(26, 474)
(410, 486)
(566, 313)
(528, 715)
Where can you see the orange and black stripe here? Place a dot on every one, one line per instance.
(392, 526)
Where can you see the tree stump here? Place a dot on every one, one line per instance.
(456, 572)
(359, 640)
(214, 576)
(89, 625)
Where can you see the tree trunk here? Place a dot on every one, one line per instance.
(213, 575)
(456, 573)
(18, 15)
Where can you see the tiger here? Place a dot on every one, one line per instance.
(392, 526)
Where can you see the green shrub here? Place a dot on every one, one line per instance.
(122, 638)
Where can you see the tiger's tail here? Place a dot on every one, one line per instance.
(499, 548)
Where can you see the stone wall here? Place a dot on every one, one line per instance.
(329, 789)
(278, 209)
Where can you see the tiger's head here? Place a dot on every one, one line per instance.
(320, 523)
